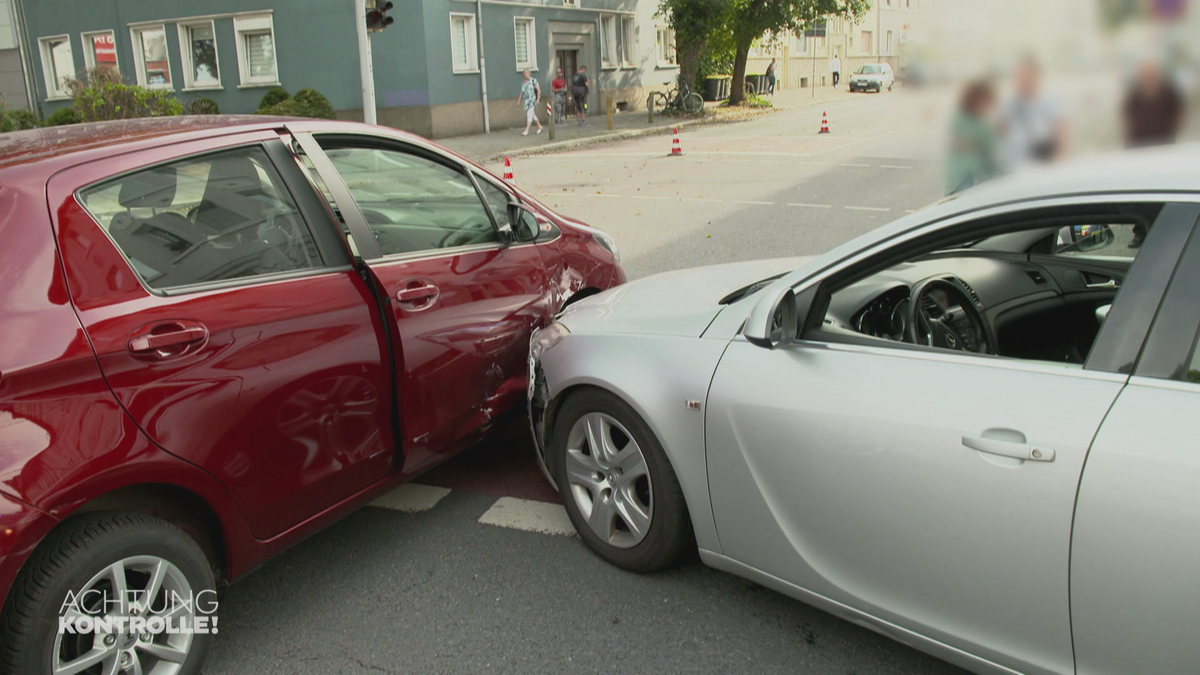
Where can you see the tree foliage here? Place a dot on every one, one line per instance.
(306, 103)
(712, 35)
(751, 19)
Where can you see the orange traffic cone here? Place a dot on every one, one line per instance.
(676, 148)
(824, 122)
(508, 174)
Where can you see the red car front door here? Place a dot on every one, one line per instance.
(228, 320)
(464, 296)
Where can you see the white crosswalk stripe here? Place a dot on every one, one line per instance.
(412, 498)
(529, 515)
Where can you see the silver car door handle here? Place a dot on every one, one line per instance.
(1009, 449)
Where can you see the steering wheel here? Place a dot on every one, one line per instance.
(942, 314)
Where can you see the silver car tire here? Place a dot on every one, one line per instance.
(83, 559)
(623, 498)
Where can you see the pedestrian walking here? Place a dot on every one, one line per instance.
(1033, 124)
(835, 67)
(974, 144)
(771, 78)
(579, 92)
(531, 94)
(559, 88)
(1153, 109)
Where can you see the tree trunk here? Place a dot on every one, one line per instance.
(737, 90)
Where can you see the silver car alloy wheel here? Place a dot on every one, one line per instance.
(608, 478)
(140, 586)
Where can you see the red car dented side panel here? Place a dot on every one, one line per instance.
(69, 436)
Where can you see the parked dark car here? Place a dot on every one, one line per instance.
(220, 334)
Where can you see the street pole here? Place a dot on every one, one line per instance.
(365, 70)
(487, 118)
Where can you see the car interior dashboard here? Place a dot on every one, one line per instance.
(1029, 306)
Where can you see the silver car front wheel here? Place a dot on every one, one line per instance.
(618, 487)
(608, 480)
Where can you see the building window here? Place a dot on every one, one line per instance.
(570, 3)
(889, 42)
(150, 57)
(256, 51)
(802, 43)
(866, 42)
(526, 41)
(608, 41)
(100, 50)
(463, 53)
(628, 42)
(666, 47)
(58, 64)
(198, 47)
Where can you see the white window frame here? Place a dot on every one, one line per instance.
(55, 91)
(185, 55)
(89, 50)
(570, 3)
(608, 41)
(253, 24)
(529, 25)
(472, 46)
(628, 42)
(664, 39)
(139, 55)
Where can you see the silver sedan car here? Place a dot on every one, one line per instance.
(967, 430)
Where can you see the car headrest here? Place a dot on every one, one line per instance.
(154, 188)
(235, 173)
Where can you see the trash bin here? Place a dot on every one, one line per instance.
(759, 82)
(712, 89)
(726, 85)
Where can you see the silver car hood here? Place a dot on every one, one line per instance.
(681, 303)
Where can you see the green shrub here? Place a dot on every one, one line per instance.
(17, 120)
(759, 102)
(316, 102)
(100, 95)
(63, 116)
(306, 103)
(274, 96)
(202, 106)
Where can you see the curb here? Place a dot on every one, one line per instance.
(617, 136)
(649, 131)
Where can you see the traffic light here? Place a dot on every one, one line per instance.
(377, 18)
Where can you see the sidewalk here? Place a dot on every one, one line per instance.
(502, 143)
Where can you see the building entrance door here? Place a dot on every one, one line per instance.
(568, 60)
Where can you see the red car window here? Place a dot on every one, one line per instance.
(204, 219)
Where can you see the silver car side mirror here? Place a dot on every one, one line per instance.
(772, 323)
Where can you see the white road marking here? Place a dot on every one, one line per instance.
(894, 166)
(756, 203)
(412, 498)
(865, 208)
(647, 197)
(598, 194)
(910, 211)
(846, 145)
(811, 206)
(855, 166)
(529, 515)
(701, 199)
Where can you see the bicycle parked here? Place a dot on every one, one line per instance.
(678, 98)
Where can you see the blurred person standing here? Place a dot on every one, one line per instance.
(1153, 110)
(579, 91)
(1033, 125)
(771, 78)
(835, 67)
(974, 145)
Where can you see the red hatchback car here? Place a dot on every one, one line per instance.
(220, 334)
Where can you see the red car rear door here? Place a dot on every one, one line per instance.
(229, 321)
(463, 292)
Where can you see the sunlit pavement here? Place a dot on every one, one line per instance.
(475, 568)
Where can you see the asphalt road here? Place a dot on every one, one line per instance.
(421, 585)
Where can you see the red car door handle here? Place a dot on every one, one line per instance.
(155, 341)
(416, 293)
